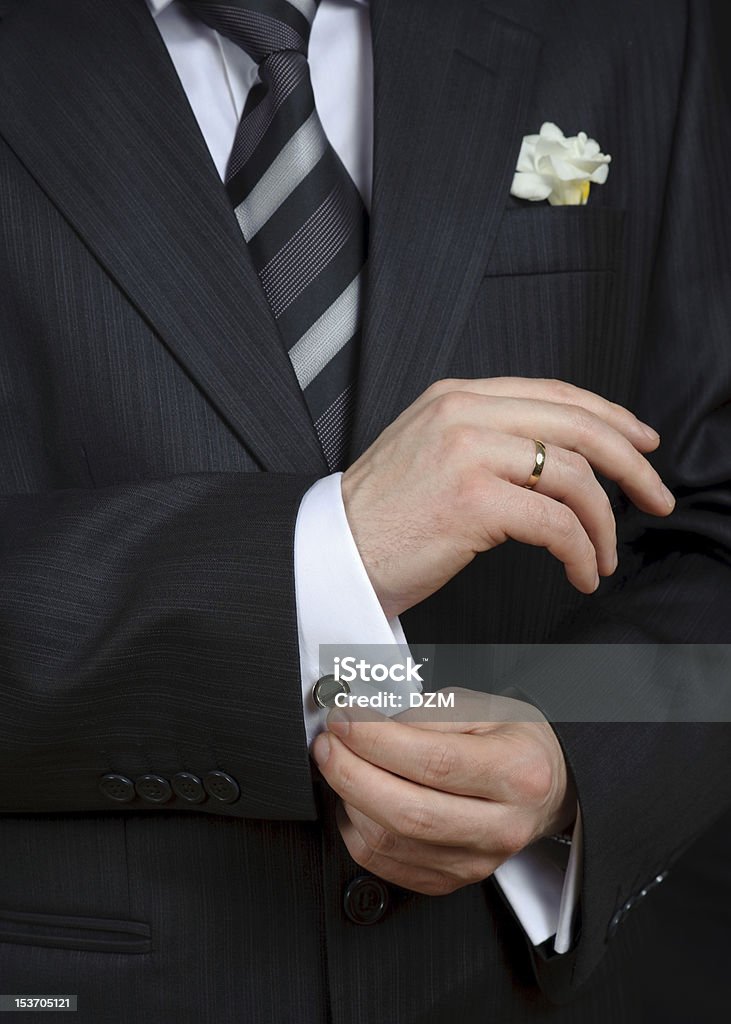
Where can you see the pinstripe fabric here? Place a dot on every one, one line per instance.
(298, 209)
(147, 614)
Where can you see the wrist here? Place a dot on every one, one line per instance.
(370, 546)
(563, 822)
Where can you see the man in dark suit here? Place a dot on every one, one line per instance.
(175, 399)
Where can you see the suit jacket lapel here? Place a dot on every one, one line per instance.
(452, 81)
(91, 104)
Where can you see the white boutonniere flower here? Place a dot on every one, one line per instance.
(558, 169)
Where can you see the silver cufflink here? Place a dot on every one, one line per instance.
(326, 689)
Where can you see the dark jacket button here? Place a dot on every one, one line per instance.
(221, 787)
(153, 788)
(366, 900)
(188, 787)
(117, 787)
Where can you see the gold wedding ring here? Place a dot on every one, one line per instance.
(539, 463)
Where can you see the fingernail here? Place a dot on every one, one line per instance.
(668, 496)
(650, 434)
(321, 749)
(596, 581)
(338, 722)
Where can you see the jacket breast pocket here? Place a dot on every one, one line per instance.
(552, 301)
(543, 239)
(64, 931)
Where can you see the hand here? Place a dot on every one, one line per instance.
(435, 805)
(446, 480)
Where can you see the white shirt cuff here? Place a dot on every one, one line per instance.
(336, 603)
(542, 884)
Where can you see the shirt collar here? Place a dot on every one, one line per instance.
(158, 6)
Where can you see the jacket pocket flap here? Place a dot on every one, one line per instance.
(62, 931)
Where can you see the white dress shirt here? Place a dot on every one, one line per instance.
(336, 603)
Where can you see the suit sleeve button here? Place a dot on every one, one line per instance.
(153, 788)
(366, 900)
(117, 787)
(221, 787)
(188, 787)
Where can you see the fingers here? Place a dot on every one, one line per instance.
(435, 826)
(569, 427)
(397, 870)
(533, 518)
(399, 805)
(414, 865)
(470, 711)
(567, 478)
(607, 450)
(642, 436)
(463, 764)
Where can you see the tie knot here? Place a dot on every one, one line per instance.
(260, 27)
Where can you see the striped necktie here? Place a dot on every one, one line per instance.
(301, 215)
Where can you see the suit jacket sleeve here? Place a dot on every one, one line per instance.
(648, 790)
(150, 627)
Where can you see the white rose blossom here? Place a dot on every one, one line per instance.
(558, 169)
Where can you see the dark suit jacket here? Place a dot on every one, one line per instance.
(154, 448)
